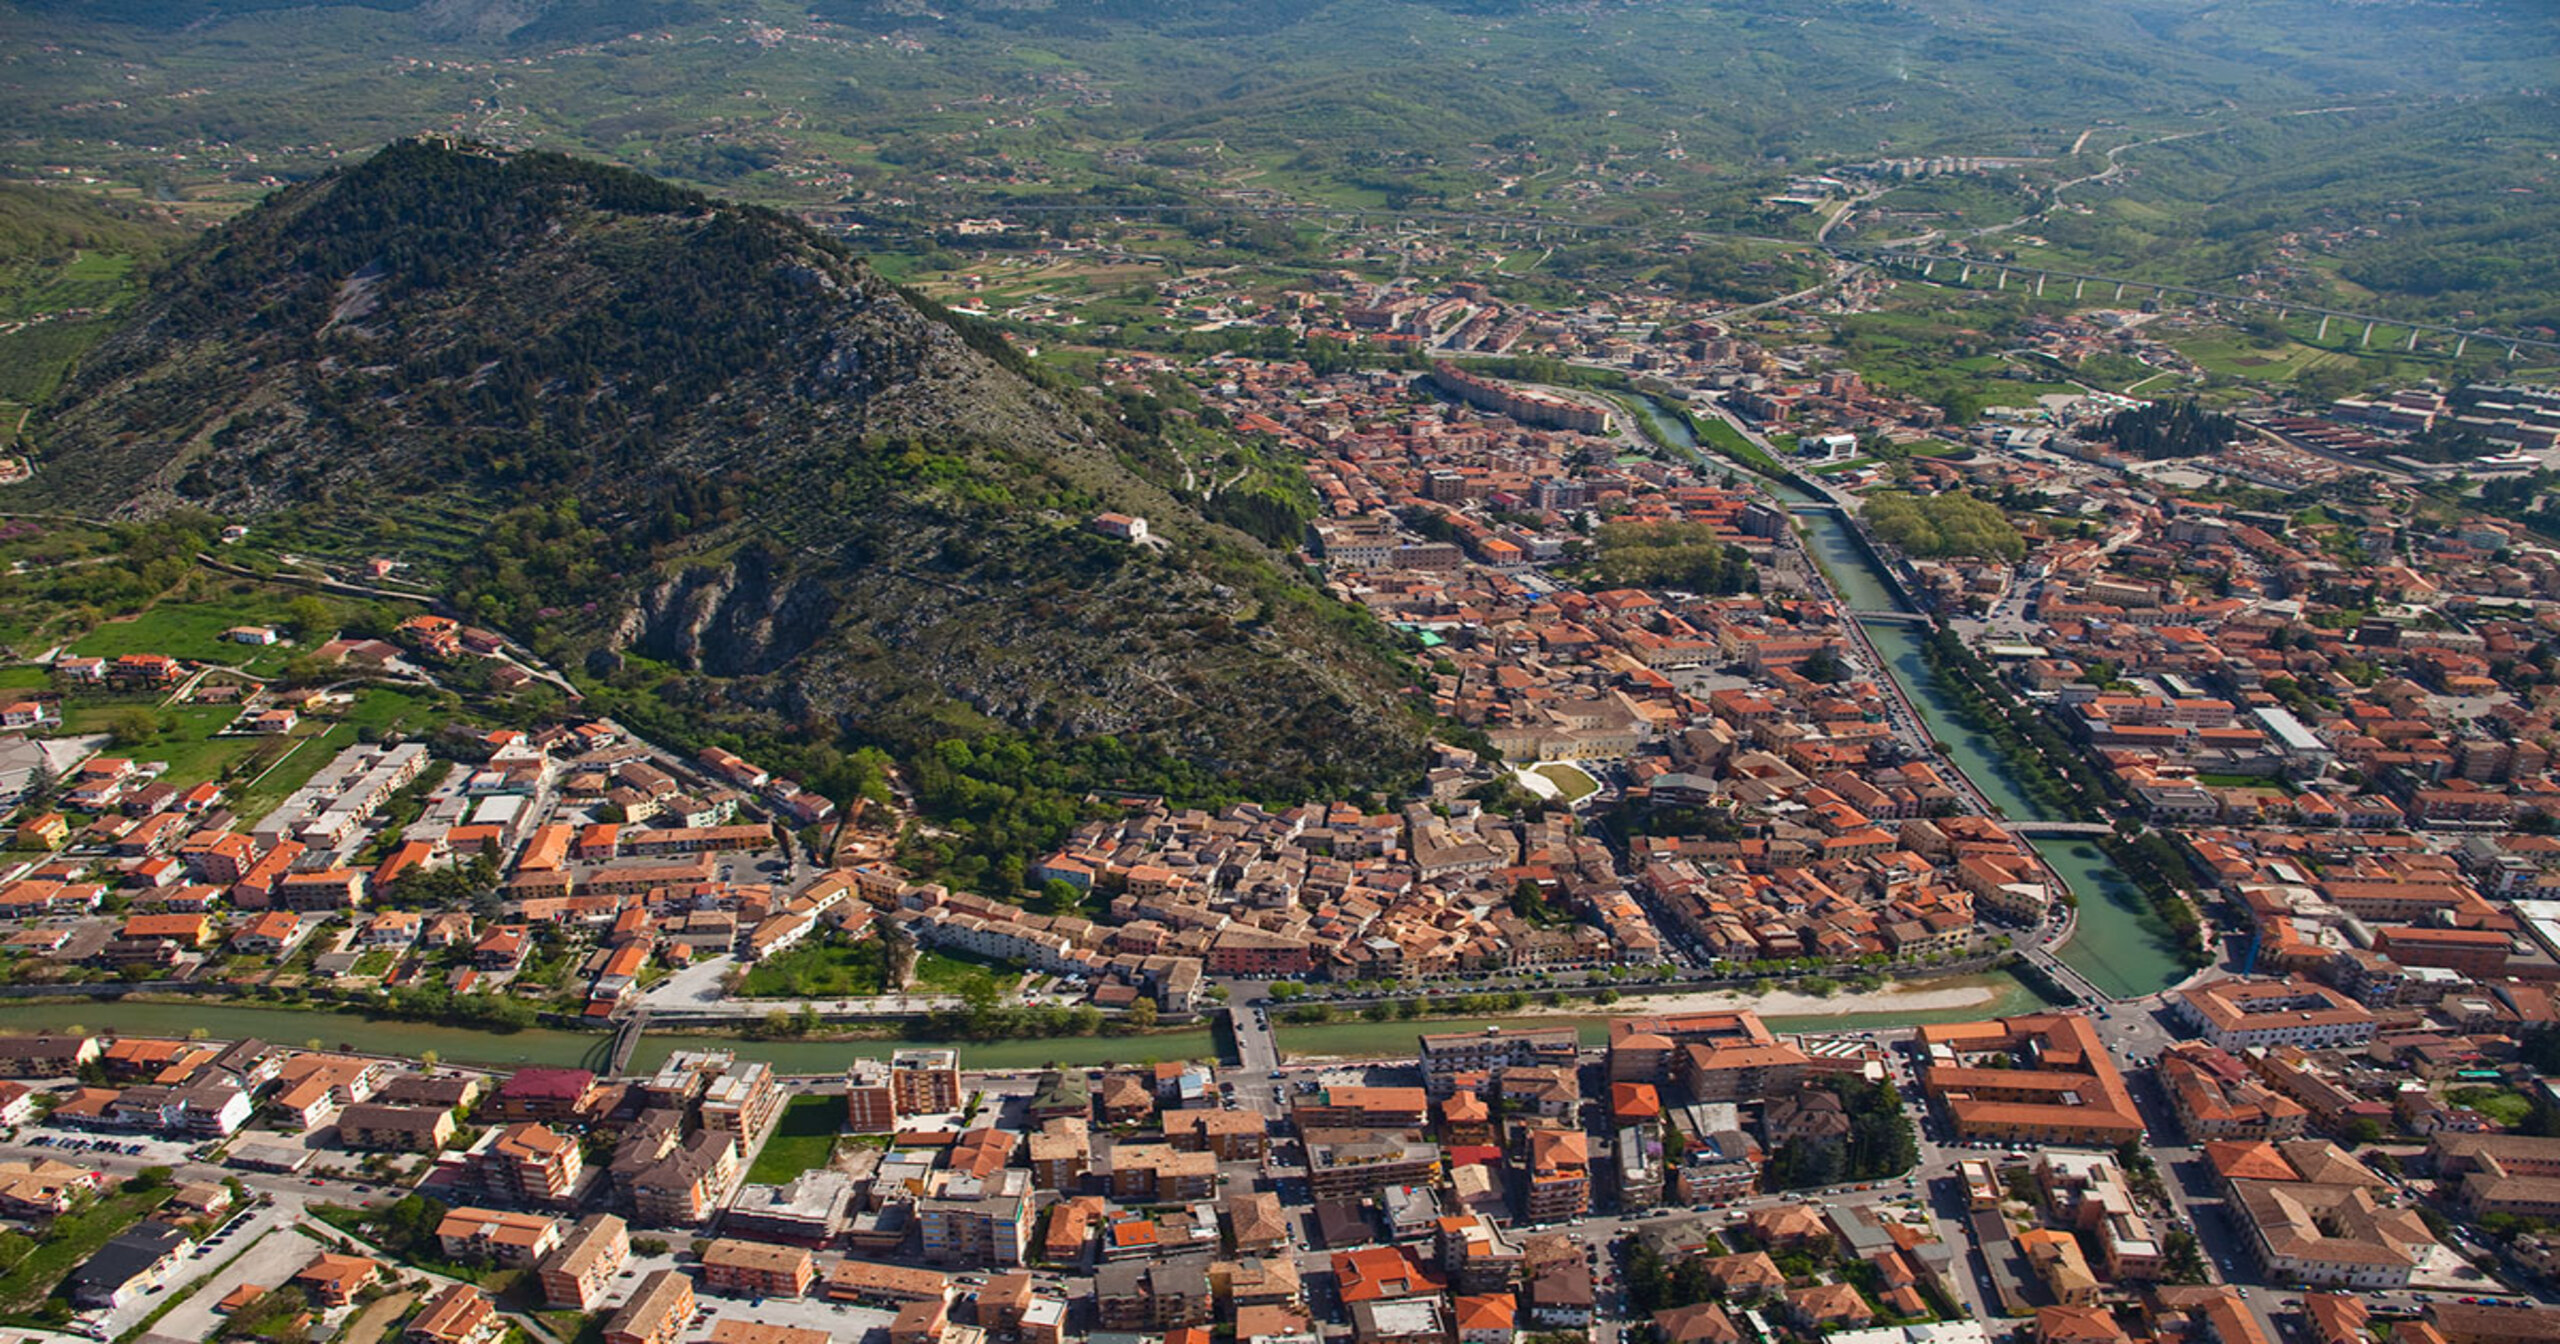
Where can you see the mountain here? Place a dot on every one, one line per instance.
(706, 454)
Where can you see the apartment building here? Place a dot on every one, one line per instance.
(1447, 1054)
(532, 1164)
(686, 1186)
(2237, 1014)
(657, 1313)
(870, 1098)
(925, 1082)
(1354, 1162)
(2067, 1091)
(978, 1220)
(579, 1272)
(403, 1129)
(515, 1240)
(1153, 1296)
(757, 1269)
(1159, 1173)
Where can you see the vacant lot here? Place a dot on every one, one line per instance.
(820, 970)
(803, 1140)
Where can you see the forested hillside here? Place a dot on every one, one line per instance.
(745, 484)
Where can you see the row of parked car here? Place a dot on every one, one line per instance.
(86, 1145)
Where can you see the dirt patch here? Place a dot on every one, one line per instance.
(371, 1323)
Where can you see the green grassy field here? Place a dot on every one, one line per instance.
(1724, 438)
(193, 630)
(381, 708)
(1571, 781)
(803, 1139)
(185, 741)
(2507, 1107)
(818, 970)
(943, 973)
(33, 358)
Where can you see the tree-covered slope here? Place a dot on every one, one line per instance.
(729, 470)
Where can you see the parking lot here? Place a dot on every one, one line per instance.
(839, 1320)
(261, 1251)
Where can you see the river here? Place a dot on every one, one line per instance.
(565, 1049)
(2120, 945)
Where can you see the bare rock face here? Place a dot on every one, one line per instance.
(740, 618)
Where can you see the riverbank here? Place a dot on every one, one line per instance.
(1893, 997)
(554, 1047)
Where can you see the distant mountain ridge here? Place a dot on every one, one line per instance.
(722, 461)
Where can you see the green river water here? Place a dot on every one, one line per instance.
(2119, 945)
(567, 1049)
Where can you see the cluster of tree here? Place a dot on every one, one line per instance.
(1705, 821)
(42, 227)
(1655, 1285)
(2156, 866)
(2444, 442)
(1879, 1142)
(983, 1015)
(461, 886)
(280, 1315)
(406, 1228)
(152, 558)
(1940, 526)
(2058, 778)
(1452, 1005)
(430, 1001)
(2166, 429)
(1686, 557)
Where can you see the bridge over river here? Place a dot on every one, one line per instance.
(2062, 973)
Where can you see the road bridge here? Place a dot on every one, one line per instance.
(1893, 617)
(2062, 974)
(626, 1039)
(2047, 830)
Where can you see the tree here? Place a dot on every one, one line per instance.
(42, 784)
(2361, 1131)
(132, 727)
(982, 1007)
(2182, 1260)
(1142, 1014)
(310, 619)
